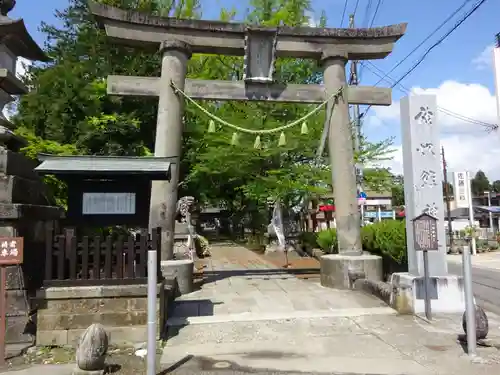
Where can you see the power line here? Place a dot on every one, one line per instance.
(343, 12)
(398, 82)
(355, 8)
(379, 4)
(366, 18)
(442, 39)
(428, 37)
(406, 90)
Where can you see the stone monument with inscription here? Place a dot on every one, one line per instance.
(424, 195)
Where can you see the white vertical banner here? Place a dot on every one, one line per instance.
(461, 182)
(277, 223)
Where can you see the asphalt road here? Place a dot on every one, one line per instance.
(485, 284)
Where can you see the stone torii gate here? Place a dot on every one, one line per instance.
(177, 39)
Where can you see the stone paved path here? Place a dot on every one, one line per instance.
(251, 316)
(241, 285)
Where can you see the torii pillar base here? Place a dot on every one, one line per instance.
(340, 271)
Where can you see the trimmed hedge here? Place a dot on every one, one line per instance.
(327, 241)
(386, 238)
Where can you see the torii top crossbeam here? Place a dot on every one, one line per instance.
(228, 38)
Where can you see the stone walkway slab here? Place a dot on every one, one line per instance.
(242, 286)
(382, 344)
(252, 315)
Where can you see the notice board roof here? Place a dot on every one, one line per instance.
(91, 165)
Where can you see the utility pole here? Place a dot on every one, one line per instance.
(447, 192)
(356, 121)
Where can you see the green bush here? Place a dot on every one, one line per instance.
(308, 240)
(327, 241)
(256, 242)
(386, 238)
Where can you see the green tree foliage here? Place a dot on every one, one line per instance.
(69, 108)
(495, 186)
(480, 184)
(397, 190)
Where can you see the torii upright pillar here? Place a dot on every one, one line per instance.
(340, 270)
(168, 140)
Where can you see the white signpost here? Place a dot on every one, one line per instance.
(461, 182)
(463, 197)
(496, 71)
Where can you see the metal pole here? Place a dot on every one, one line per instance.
(427, 288)
(447, 192)
(357, 126)
(470, 309)
(471, 213)
(152, 293)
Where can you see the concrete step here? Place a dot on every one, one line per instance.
(179, 321)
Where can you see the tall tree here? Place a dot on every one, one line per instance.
(480, 184)
(70, 107)
(495, 186)
(398, 192)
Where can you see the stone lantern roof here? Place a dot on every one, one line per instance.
(15, 36)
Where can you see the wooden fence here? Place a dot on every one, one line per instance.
(85, 261)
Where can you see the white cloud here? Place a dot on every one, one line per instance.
(467, 146)
(22, 66)
(485, 59)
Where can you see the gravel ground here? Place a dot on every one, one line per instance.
(120, 361)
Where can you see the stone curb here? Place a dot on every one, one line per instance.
(376, 288)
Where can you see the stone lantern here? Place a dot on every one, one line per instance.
(15, 42)
(24, 206)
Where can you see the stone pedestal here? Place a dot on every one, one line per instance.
(338, 271)
(25, 211)
(78, 371)
(407, 295)
(182, 271)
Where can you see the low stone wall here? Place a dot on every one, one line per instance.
(65, 312)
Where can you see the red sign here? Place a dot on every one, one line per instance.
(11, 250)
(327, 207)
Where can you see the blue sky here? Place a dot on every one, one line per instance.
(452, 61)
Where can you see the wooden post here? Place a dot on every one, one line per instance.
(3, 313)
